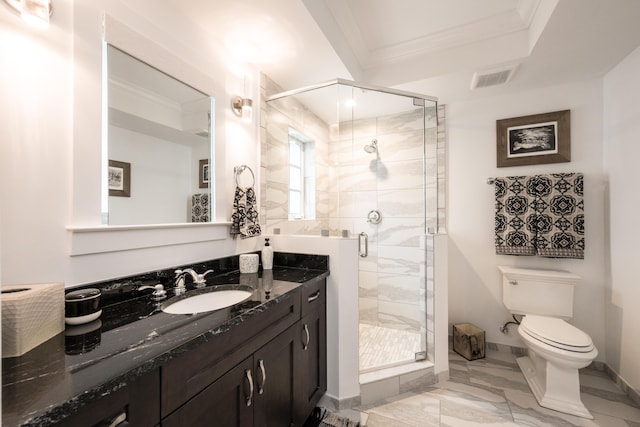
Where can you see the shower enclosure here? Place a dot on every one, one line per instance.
(350, 160)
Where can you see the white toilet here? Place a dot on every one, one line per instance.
(556, 349)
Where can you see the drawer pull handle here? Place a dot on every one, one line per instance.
(250, 379)
(314, 296)
(305, 345)
(264, 376)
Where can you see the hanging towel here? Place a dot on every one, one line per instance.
(200, 207)
(561, 218)
(540, 215)
(515, 210)
(244, 218)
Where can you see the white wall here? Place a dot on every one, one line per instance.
(622, 151)
(50, 139)
(475, 293)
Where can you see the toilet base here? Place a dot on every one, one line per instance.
(554, 387)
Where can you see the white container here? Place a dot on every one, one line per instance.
(249, 263)
(267, 255)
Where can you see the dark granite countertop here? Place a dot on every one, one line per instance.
(132, 337)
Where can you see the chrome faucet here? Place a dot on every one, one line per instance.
(179, 288)
(198, 279)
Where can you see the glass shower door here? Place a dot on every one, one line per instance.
(381, 199)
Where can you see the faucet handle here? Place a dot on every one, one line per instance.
(158, 294)
(201, 276)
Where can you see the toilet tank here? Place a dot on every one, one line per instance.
(541, 292)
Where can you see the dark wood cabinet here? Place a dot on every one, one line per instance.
(227, 402)
(186, 376)
(275, 369)
(311, 375)
(268, 371)
(135, 404)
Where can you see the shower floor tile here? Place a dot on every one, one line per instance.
(384, 347)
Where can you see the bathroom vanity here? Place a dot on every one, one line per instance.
(260, 362)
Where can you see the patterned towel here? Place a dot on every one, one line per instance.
(541, 214)
(244, 218)
(515, 233)
(200, 207)
(561, 221)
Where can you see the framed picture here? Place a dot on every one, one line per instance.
(534, 140)
(204, 173)
(119, 179)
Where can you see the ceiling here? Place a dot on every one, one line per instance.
(426, 46)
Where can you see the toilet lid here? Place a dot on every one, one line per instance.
(557, 333)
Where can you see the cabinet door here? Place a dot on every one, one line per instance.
(312, 366)
(274, 368)
(228, 402)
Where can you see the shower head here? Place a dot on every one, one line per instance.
(372, 147)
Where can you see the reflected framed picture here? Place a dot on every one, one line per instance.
(204, 173)
(534, 140)
(119, 179)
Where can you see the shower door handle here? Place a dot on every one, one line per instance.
(363, 243)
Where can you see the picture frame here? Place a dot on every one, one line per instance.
(534, 140)
(119, 179)
(203, 174)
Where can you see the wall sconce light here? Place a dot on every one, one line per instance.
(36, 13)
(242, 107)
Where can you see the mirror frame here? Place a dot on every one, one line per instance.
(87, 234)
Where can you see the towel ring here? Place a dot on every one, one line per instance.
(238, 170)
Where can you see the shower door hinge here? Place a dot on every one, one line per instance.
(421, 355)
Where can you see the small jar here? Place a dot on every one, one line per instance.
(82, 306)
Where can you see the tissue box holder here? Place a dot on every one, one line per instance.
(31, 314)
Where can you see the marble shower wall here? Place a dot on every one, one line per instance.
(279, 116)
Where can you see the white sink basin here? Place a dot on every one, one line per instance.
(209, 301)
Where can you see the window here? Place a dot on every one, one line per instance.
(302, 192)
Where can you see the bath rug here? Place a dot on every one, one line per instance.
(322, 417)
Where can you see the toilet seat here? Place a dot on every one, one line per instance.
(556, 333)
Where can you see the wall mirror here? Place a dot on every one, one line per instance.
(158, 146)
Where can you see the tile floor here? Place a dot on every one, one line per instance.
(493, 392)
(384, 347)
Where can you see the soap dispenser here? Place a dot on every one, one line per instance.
(267, 255)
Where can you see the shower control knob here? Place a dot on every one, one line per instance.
(374, 217)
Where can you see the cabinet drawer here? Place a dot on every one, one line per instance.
(187, 375)
(314, 296)
(136, 404)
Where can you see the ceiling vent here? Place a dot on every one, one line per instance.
(494, 76)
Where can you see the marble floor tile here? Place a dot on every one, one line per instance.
(493, 392)
(376, 420)
(410, 409)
